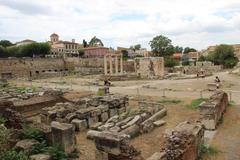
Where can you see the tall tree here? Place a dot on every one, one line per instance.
(224, 55)
(5, 43)
(95, 42)
(136, 47)
(161, 46)
(178, 49)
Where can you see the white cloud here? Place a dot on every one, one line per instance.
(123, 23)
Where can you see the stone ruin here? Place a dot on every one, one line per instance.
(144, 121)
(150, 67)
(181, 143)
(212, 110)
(110, 146)
(86, 113)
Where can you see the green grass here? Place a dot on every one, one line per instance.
(231, 104)
(170, 101)
(195, 103)
(208, 151)
(2, 120)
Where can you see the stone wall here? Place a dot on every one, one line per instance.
(181, 143)
(212, 110)
(151, 67)
(33, 68)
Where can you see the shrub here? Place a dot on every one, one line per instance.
(13, 155)
(169, 62)
(57, 153)
(4, 140)
(32, 133)
(39, 148)
(207, 150)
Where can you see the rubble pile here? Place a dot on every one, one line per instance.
(110, 146)
(86, 113)
(212, 110)
(132, 125)
(181, 143)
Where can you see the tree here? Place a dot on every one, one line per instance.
(201, 58)
(188, 49)
(178, 49)
(170, 62)
(95, 42)
(161, 46)
(81, 52)
(85, 44)
(2, 52)
(224, 55)
(136, 47)
(5, 43)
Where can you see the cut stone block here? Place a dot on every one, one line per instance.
(63, 134)
(80, 125)
(40, 157)
(92, 121)
(159, 123)
(112, 112)
(104, 116)
(26, 145)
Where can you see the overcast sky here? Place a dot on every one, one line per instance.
(194, 23)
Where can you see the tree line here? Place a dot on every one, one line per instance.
(7, 49)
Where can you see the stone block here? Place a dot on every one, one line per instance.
(104, 116)
(157, 156)
(80, 125)
(26, 145)
(40, 157)
(64, 135)
(159, 123)
(132, 131)
(92, 121)
(112, 112)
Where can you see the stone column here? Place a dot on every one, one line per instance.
(105, 65)
(116, 65)
(111, 67)
(121, 64)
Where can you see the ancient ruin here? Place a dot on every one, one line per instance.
(117, 67)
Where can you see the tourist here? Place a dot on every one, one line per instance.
(217, 81)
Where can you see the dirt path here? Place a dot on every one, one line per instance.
(227, 139)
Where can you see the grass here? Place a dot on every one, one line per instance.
(2, 120)
(195, 103)
(231, 104)
(207, 151)
(170, 101)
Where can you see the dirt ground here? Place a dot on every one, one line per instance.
(226, 141)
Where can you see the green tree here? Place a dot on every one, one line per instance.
(95, 42)
(81, 52)
(170, 62)
(136, 47)
(201, 58)
(5, 43)
(178, 49)
(161, 46)
(224, 55)
(188, 49)
(2, 52)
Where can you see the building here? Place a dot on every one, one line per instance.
(61, 48)
(93, 52)
(25, 42)
(142, 52)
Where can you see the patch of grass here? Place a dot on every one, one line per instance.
(170, 101)
(195, 103)
(2, 120)
(100, 93)
(231, 104)
(208, 151)
(13, 155)
(39, 148)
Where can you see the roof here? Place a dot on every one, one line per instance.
(177, 55)
(54, 34)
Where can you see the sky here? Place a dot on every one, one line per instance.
(193, 23)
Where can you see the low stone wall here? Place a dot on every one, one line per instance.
(182, 143)
(88, 113)
(212, 110)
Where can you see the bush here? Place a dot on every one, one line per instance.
(169, 62)
(13, 155)
(4, 140)
(57, 153)
(201, 58)
(32, 133)
(39, 148)
(207, 150)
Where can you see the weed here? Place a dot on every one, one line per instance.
(2, 120)
(57, 153)
(32, 133)
(39, 148)
(207, 150)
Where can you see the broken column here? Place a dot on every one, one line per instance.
(63, 134)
